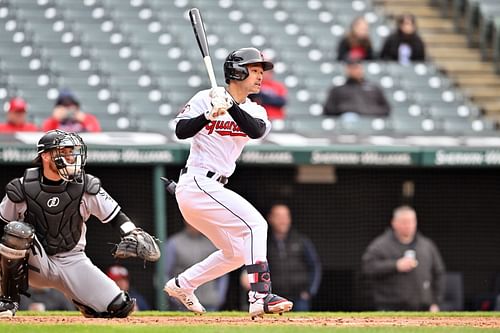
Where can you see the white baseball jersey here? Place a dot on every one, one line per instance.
(233, 225)
(219, 144)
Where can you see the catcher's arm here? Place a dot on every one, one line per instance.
(135, 242)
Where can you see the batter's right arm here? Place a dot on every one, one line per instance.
(187, 128)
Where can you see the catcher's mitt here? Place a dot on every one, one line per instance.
(138, 244)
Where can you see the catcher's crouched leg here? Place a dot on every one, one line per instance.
(120, 307)
(14, 245)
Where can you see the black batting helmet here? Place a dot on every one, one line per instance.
(69, 168)
(235, 64)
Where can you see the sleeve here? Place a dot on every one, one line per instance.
(49, 124)
(187, 128)
(419, 49)
(101, 205)
(191, 119)
(273, 94)
(269, 97)
(375, 263)
(385, 108)
(196, 106)
(330, 106)
(342, 50)
(385, 54)
(369, 52)
(91, 123)
(314, 263)
(11, 211)
(438, 275)
(254, 127)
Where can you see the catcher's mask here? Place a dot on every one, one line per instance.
(235, 66)
(67, 150)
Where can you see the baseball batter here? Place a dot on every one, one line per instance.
(220, 123)
(45, 211)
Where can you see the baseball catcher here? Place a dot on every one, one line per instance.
(43, 232)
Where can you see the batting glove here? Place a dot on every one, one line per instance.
(221, 101)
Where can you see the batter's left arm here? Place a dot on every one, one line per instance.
(254, 127)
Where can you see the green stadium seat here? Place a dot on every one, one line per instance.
(314, 127)
(356, 125)
(461, 126)
(453, 110)
(118, 123)
(156, 124)
(415, 126)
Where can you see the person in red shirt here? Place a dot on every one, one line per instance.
(68, 116)
(16, 118)
(272, 96)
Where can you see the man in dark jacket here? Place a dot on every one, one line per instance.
(296, 269)
(405, 267)
(357, 95)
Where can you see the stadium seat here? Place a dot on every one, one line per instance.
(453, 299)
(133, 51)
(460, 126)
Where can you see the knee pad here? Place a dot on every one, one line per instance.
(14, 245)
(16, 240)
(120, 307)
(262, 277)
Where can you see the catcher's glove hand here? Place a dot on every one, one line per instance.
(138, 244)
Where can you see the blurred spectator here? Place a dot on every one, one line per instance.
(356, 43)
(119, 274)
(16, 118)
(356, 95)
(272, 96)
(68, 116)
(184, 249)
(293, 260)
(404, 45)
(405, 267)
(45, 299)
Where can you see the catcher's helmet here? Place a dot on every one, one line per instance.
(235, 64)
(69, 165)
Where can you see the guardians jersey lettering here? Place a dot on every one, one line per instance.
(218, 144)
(224, 128)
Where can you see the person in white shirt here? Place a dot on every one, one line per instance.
(220, 122)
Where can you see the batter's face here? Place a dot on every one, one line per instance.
(280, 219)
(252, 83)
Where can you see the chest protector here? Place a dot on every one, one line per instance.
(54, 211)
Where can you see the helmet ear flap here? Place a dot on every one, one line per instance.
(234, 71)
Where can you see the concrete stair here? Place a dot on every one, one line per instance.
(449, 50)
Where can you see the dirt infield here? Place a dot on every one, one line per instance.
(344, 321)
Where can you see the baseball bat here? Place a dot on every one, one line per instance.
(201, 38)
(169, 184)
